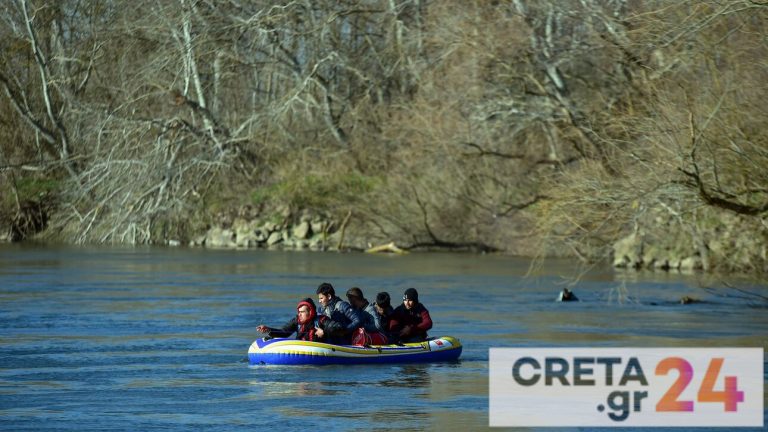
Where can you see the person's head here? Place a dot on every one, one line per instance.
(410, 298)
(355, 297)
(382, 302)
(305, 311)
(325, 293)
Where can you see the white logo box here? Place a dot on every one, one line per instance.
(572, 387)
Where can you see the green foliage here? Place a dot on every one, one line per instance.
(320, 192)
(264, 194)
(36, 187)
(30, 189)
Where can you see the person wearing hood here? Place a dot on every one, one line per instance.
(411, 320)
(339, 311)
(307, 325)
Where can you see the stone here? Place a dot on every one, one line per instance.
(301, 231)
(240, 224)
(316, 242)
(691, 263)
(218, 237)
(246, 239)
(317, 226)
(243, 233)
(652, 255)
(620, 261)
(628, 251)
(260, 235)
(274, 238)
(332, 241)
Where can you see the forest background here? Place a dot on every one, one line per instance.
(536, 128)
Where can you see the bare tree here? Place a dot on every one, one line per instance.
(679, 141)
(482, 125)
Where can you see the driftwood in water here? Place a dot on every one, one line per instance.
(389, 247)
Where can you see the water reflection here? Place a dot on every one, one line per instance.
(142, 333)
(293, 389)
(408, 376)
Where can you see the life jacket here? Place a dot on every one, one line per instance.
(307, 330)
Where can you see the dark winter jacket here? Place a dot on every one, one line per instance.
(382, 323)
(369, 318)
(340, 311)
(330, 328)
(307, 330)
(410, 325)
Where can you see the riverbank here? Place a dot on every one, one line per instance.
(462, 126)
(659, 241)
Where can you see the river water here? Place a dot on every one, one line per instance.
(156, 338)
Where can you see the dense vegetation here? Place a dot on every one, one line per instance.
(531, 127)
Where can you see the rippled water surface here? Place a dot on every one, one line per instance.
(156, 338)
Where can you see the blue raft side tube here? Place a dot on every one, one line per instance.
(293, 352)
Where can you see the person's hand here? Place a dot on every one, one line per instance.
(262, 329)
(406, 331)
(319, 332)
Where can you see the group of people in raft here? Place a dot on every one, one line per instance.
(357, 322)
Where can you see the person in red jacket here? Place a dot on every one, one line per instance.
(411, 320)
(307, 325)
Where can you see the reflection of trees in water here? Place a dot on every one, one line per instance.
(409, 376)
(277, 388)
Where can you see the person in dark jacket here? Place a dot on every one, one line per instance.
(567, 295)
(307, 325)
(363, 307)
(339, 311)
(369, 334)
(384, 312)
(411, 320)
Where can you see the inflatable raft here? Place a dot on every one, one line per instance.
(298, 352)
